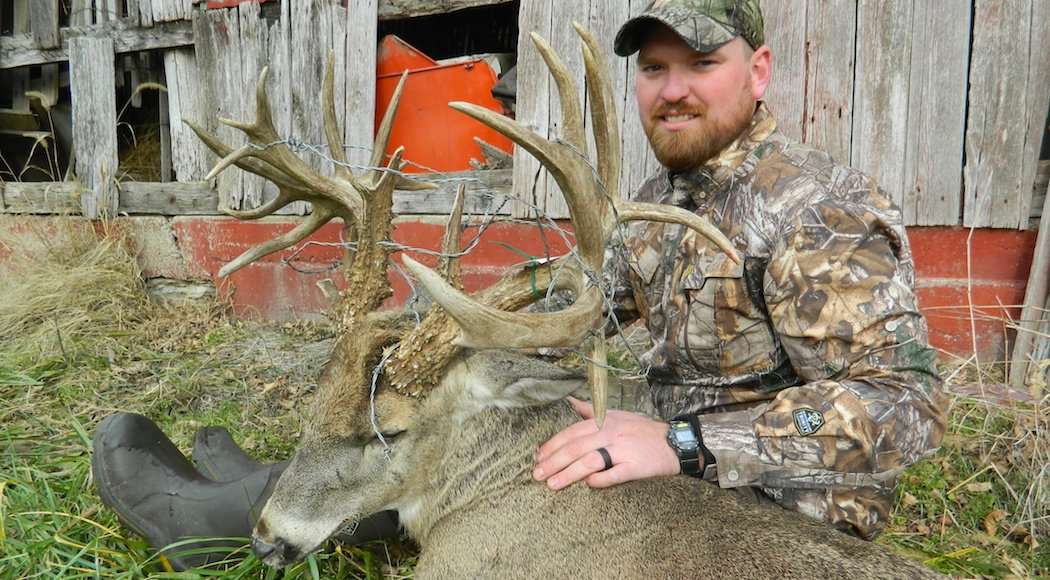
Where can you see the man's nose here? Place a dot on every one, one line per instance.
(676, 87)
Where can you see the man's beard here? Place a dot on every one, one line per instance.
(691, 148)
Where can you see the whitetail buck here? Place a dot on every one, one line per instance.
(444, 432)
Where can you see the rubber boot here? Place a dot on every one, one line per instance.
(219, 457)
(157, 492)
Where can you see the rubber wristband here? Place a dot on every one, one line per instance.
(709, 458)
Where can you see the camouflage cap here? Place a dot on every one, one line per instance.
(703, 24)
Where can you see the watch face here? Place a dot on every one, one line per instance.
(683, 435)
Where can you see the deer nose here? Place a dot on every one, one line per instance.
(278, 550)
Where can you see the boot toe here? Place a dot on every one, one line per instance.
(142, 477)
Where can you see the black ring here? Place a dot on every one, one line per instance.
(605, 457)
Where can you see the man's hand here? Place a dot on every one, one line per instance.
(637, 445)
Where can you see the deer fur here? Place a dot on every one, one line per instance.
(459, 475)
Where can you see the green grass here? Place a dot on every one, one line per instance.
(79, 341)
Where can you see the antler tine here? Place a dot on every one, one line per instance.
(546, 152)
(267, 146)
(449, 264)
(629, 211)
(256, 166)
(331, 122)
(603, 111)
(315, 220)
(283, 198)
(572, 117)
(386, 126)
(482, 326)
(383, 139)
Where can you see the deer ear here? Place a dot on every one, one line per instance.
(507, 380)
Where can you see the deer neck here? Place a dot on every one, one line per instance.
(477, 460)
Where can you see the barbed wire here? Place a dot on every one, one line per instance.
(540, 219)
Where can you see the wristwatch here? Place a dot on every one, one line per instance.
(685, 438)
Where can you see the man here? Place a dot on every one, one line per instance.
(802, 376)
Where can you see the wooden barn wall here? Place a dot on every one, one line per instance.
(217, 78)
(893, 87)
(943, 102)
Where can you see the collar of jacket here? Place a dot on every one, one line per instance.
(707, 178)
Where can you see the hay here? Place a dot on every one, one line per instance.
(69, 291)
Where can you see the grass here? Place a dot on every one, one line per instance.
(79, 340)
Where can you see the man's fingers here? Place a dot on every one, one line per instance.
(618, 474)
(568, 454)
(579, 470)
(564, 437)
(582, 408)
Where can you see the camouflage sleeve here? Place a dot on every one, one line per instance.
(839, 293)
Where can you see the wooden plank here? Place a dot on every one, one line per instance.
(829, 79)
(936, 114)
(398, 9)
(182, 198)
(639, 162)
(531, 110)
(280, 91)
(360, 110)
(19, 50)
(43, 18)
(190, 158)
(1036, 295)
(163, 11)
(165, 137)
(94, 123)
(133, 15)
(1037, 104)
(105, 10)
(81, 13)
(604, 22)
(308, 24)
(230, 89)
(254, 47)
(566, 43)
(40, 198)
(880, 96)
(1008, 97)
(486, 192)
(145, 13)
(786, 37)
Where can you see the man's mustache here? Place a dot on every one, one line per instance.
(668, 109)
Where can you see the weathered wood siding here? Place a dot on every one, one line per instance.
(942, 102)
(892, 87)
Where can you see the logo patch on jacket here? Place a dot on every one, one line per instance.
(808, 421)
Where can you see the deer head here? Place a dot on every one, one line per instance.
(359, 446)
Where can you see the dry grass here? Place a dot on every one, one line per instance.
(981, 506)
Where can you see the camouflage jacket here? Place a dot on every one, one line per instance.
(808, 364)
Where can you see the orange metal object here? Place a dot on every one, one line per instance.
(396, 55)
(435, 137)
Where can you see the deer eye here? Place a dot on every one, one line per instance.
(391, 435)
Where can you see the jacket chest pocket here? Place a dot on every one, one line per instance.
(724, 329)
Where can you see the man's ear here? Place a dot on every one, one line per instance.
(761, 71)
(507, 380)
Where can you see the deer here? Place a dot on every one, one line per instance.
(439, 418)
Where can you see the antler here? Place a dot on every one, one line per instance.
(363, 203)
(592, 197)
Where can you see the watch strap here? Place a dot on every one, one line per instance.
(694, 466)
